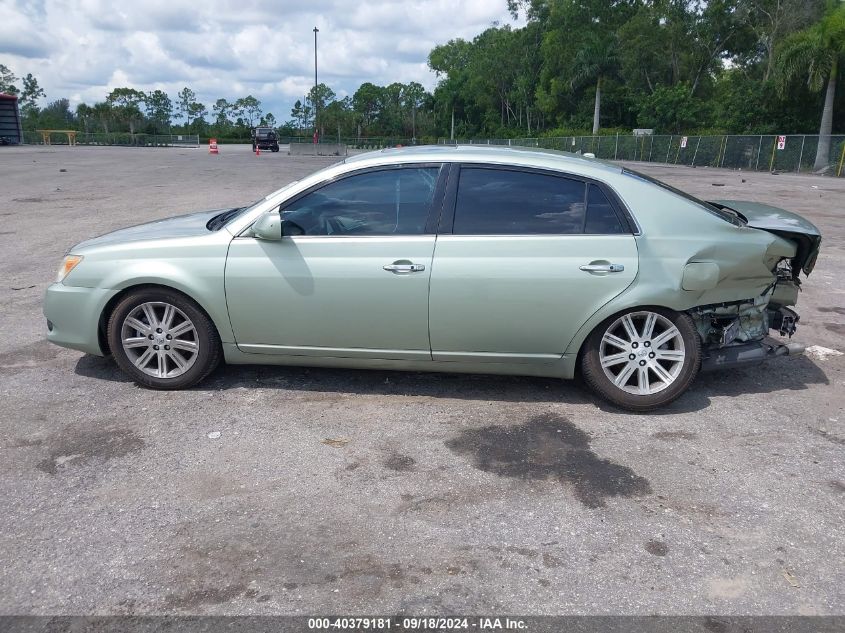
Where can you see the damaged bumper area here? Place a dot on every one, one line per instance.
(748, 353)
(737, 333)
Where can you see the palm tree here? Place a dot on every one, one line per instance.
(594, 61)
(816, 53)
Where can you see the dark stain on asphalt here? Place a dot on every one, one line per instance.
(836, 328)
(31, 355)
(399, 462)
(830, 437)
(549, 447)
(551, 561)
(836, 485)
(71, 448)
(671, 436)
(716, 626)
(834, 309)
(209, 595)
(656, 548)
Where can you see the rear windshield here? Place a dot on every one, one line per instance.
(721, 212)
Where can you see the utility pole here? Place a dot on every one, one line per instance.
(316, 104)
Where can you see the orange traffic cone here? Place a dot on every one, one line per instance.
(257, 151)
(212, 146)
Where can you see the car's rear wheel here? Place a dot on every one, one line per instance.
(642, 359)
(162, 339)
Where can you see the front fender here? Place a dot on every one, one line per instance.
(193, 269)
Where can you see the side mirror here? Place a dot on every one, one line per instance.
(268, 227)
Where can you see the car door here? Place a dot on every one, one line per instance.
(350, 276)
(523, 258)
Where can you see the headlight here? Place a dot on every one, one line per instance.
(68, 264)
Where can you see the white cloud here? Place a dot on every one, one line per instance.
(81, 49)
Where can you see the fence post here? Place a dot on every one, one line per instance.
(695, 153)
(669, 148)
(616, 149)
(772, 160)
(759, 148)
(724, 152)
(841, 160)
(801, 155)
(650, 147)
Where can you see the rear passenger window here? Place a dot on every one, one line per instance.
(601, 218)
(501, 202)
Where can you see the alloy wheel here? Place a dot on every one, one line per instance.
(642, 353)
(160, 339)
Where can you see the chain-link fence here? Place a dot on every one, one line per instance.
(362, 142)
(112, 138)
(793, 152)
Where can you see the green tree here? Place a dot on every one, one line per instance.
(159, 109)
(184, 100)
(297, 113)
(367, 104)
(30, 95)
(222, 109)
(7, 81)
(815, 53)
(317, 99)
(126, 106)
(104, 113)
(670, 109)
(595, 60)
(772, 20)
(451, 62)
(249, 107)
(57, 115)
(85, 114)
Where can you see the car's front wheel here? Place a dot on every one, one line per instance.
(642, 359)
(162, 339)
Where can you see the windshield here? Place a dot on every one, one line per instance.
(725, 213)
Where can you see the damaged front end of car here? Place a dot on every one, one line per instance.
(738, 332)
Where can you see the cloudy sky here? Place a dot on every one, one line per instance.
(81, 49)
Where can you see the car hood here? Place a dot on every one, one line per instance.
(180, 226)
(786, 224)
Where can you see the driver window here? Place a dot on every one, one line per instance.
(385, 202)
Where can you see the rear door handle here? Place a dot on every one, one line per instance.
(602, 268)
(404, 268)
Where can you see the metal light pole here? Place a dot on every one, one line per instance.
(316, 102)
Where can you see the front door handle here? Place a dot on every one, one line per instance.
(602, 268)
(400, 269)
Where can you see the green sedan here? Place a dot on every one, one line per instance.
(454, 259)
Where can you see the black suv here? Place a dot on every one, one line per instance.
(264, 138)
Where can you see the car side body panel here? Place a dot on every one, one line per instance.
(192, 264)
(520, 299)
(681, 257)
(330, 296)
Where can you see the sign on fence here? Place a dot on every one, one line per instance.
(683, 141)
(781, 142)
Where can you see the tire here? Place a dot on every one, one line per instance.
(183, 350)
(666, 351)
(253, 148)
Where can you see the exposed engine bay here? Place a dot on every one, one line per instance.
(737, 333)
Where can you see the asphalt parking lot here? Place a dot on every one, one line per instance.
(269, 490)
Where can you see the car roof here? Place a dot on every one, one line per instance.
(487, 154)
